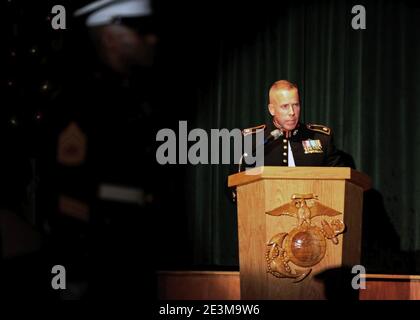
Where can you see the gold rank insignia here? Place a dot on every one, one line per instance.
(312, 146)
(253, 129)
(319, 128)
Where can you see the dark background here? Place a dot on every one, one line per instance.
(215, 64)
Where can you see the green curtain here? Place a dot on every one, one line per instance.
(364, 84)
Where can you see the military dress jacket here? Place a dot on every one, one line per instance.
(311, 145)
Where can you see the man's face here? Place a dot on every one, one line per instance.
(139, 49)
(136, 49)
(285, 108)
(123, 48)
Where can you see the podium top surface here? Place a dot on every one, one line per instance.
(301, 173)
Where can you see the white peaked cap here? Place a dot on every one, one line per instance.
(103, 12)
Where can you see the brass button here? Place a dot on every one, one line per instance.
(285, 161)
(284, 153)
(284, 147)
(284, 140)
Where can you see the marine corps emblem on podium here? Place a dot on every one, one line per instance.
(305, 245)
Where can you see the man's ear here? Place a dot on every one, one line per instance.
(271, 109)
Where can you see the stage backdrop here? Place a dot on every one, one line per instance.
(364, 84)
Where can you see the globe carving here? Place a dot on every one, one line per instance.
(305, 248)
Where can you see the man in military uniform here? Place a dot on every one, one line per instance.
(101, 187)
(296, 144)
(121, 147)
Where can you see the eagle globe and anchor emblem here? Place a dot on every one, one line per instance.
(305, 245)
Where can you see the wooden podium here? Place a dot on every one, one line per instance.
(295, 223)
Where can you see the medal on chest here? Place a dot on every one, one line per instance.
(312, 146)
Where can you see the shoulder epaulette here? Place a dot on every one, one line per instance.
(253, 129)
(319, 128)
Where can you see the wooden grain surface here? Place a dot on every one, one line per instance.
(301, 173)
(209, 285)
(256, 228)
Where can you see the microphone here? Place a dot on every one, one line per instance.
(273, 136)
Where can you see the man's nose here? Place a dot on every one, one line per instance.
(291, 110)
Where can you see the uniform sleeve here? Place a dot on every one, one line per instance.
(232, 169)
(336, 157)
